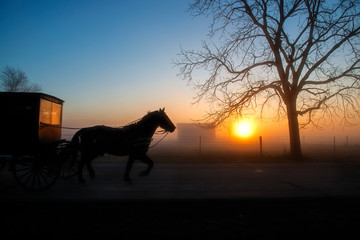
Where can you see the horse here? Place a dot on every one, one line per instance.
(132, 140)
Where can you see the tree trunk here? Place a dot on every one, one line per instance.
(294, 132)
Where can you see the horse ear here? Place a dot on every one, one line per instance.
(161, 110)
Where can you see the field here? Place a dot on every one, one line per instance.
(213, 152)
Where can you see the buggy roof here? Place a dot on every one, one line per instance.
(32, 95)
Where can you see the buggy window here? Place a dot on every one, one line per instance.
(50, 113)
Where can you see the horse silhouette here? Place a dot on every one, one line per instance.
(132, 140)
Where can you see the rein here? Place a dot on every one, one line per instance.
(162, 132)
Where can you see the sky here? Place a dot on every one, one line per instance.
(111, 61)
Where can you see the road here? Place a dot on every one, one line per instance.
(287, 200)
(202, 181)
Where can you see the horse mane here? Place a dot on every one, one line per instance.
(138, 121)
(149, 114)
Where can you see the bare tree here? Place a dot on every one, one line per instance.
(15, 80)
(299, 57)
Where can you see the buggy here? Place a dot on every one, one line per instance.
(30, 138)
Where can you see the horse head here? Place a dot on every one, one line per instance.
(165, 122)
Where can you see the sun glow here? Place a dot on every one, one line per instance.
(243, 128)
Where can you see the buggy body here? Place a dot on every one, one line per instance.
(28, 122)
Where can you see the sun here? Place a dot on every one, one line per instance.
(243, 128)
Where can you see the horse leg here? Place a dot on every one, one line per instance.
(81, 164)
(129, 164)
(85, 160)
(150, 164)
(90, 170)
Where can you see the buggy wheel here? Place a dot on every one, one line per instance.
(35, 174)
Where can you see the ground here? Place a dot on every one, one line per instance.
(229, 200)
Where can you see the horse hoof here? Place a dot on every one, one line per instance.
(143, 173)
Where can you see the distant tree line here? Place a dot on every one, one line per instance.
(15, 80)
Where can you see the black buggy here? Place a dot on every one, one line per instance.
(30, 139)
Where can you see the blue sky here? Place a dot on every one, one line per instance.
(111, 61)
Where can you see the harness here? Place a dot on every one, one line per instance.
(147, 141)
